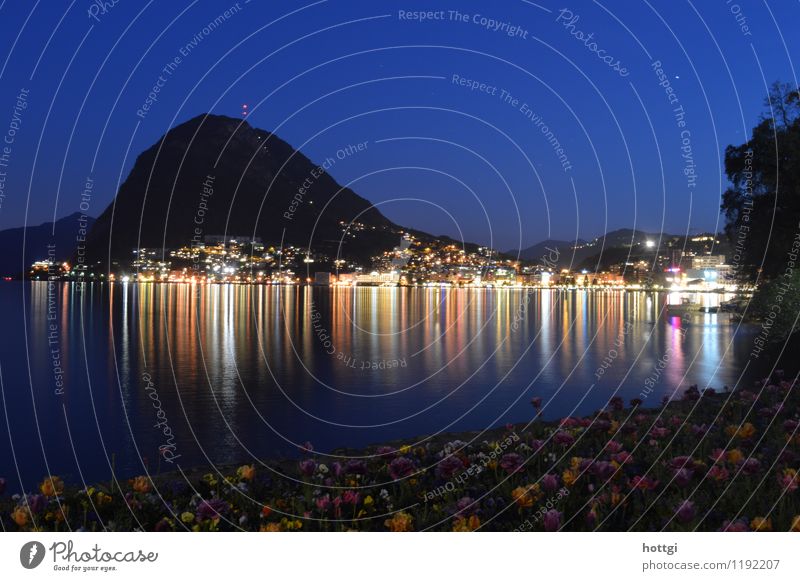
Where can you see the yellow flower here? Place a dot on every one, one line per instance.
(399, 523)
(271, 527)
(52, 486)
(761, 524)
(614, 427)
(102, 499)
(570, 476)
(187, 517)
(795, 524)
(246, 472)
(141, 484)
(746, 430)
(210, 478)
(291, 525)
(735, 456)
(525, 496)
(368, 501)
(405, 449)
(20, 516)
(575, 462)
(466, 525)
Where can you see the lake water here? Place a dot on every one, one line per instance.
(112, 374)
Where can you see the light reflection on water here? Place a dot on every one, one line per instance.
(243, 371)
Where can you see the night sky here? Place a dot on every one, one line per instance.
(562, 134)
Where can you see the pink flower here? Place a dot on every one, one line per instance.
(351, 497)
(622, 457)
(718, 473)
(613, 447)
(324, 503)
(718, 455)
(659, 432)
(569, 422)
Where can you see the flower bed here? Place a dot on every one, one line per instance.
(709, 461)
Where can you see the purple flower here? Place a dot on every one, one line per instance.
(385, 450)
(400, 468)
(162, 526)
(449, 466)
(307, 467)
(751, 466)
(466, 506)
(591, 518)
(550, 482)
(683, 477)
(563, 438)
(337, 468)
(511, 462)
(603, 470)
(685, 512)
(552, 520)
(37, 502)
(211, 509)
(736, 526)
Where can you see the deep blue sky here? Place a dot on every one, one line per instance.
(87, 78)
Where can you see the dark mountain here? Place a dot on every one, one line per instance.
(64, 238)
(215, 175)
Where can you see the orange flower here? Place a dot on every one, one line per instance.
(266, 511)
(466, 525)
(761, 524)
(746, 430)
(735, 456)
(570, 476)
(246, 472)
(20, 516)
(141, 484)
(525, 496)
(795, 524)
(52, 486)
(399, 523)
(271, 527)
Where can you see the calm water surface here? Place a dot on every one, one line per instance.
(234, 373)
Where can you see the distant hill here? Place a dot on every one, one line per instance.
(14, 262)
(216, 175)
(540, 249)
(586, 254)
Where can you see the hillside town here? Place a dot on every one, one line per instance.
(694, 263)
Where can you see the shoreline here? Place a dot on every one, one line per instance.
(705, 461)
